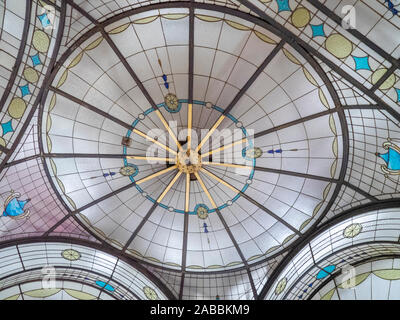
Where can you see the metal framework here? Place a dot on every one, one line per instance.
(263, 20)
(333, 275)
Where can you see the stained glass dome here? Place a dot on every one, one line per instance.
(238, 149)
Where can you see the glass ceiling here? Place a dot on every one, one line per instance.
(215, 145)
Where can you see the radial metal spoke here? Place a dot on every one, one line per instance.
(169, 186)
(90, 107)
(276, 217)
(106, 156)
(296, 174)
(295, 122)
(158, 173)
(255, 76)
(149, 159)
(189, 145)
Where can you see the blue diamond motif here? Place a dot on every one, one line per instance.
(44, 19)
(283, 5)
(7, 127)
(25, 90)
(362, 63)
(318, 30)
(36, 60)
(398, 94)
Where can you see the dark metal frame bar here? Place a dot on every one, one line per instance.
(190, 98)
(255, 76)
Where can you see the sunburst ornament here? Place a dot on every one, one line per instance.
(150, 293)
(280, 286)
(352, 230)
(71, 255)
(202, 211)
(171, 102)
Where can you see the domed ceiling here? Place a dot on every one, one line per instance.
(209, 144)
(135, 195)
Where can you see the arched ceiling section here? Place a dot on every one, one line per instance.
(63, 290)
(94, 271)
(361, 236)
